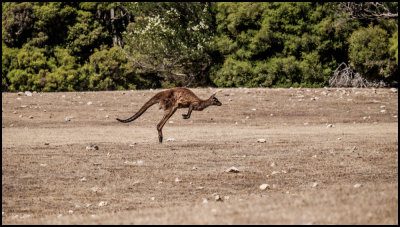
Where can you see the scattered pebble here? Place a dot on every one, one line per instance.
(92, 147)
(171, 139)
(83, 179)
(274, 172)
(218, 198)
(232, 170)
(89, 103)
(315, 184)
(28, 93)
(68, 118)
(205, 200)
(273, 164)
(357, 185)
(261, 140)
(330, 125)
(264, 186)
(177, 180)
(102, 203)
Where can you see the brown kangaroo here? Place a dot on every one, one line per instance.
(172, 99)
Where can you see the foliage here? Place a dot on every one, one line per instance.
(369, 53)
(173, 43)
(76, 46)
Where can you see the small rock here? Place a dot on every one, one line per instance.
(102, 203)
(194, 168)
(68, 118)
(329, 125)
(70, 211)
(273, 164)
(89, 103)
(95, 189)
(205, 200)
(394, 90)
(177, 180)
(171, 139)
(30, 117)
(315, 184)
(43, 164)
(83, 179)
(218, 198)
(264, 186)
(261, 140)
(92, 147)
(28, 93)
(357, 185)
(383, 111)
(24, 106)
(152, 198)
(232, 170)
(46, 143)
(274, 172)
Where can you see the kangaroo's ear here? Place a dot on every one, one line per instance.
(212, 96)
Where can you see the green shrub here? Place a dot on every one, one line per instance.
(369, 53)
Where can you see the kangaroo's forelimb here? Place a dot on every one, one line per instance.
(187, 116)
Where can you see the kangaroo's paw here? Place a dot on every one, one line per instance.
(185, 116)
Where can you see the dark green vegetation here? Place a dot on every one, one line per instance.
(72, 46)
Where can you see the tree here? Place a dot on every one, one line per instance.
(171, 41)
(369, 53)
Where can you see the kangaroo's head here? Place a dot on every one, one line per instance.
(215, 101)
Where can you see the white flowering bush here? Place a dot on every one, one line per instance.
(173, 43)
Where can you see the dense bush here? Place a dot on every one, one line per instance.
(369, 53)
(76, 46)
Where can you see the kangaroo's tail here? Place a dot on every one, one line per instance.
(149, 103)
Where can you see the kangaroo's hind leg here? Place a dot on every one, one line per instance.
(167, 115)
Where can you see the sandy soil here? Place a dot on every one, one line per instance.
(330, 156)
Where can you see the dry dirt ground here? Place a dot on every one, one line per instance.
(330, 156)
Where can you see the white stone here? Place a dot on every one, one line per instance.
(232, 170)
(264, 186)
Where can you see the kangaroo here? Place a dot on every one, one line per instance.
(172, 99)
